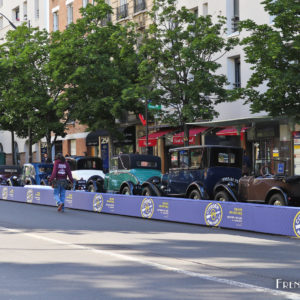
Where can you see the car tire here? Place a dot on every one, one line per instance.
(195, 194)
(222, 196)
(277, 199)
(146, 191)
(125, 190)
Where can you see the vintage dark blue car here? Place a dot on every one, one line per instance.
(196, 172)
(36, 173)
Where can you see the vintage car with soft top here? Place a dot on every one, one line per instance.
(195, 171)
(87, 172)
(36, 173)
(270, 185)
(129, 173)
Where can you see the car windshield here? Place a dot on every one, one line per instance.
(89, 164)
(269, 167)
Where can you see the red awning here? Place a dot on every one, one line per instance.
(152, 138)
(230, 131)
(178, 137)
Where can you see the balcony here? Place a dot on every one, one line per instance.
(235, 23)
(139, 5)
(122, 11)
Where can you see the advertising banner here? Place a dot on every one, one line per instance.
(280, 220)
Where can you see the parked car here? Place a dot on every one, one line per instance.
(9, 175)
(270, 185)
(36, 173)
(195, 171)
(87, 172)
(129, 173)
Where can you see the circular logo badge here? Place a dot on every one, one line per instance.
(296, 224)
(147, 208)
(98, 203)
(213, 214)
(5, 193)
(29, 196)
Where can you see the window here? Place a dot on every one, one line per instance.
(72, 147)
(36, 9)
(1, 3)
(16, 14)
(205, 9)
(25, 10)
(197, 159)
(55, 21)
(122, 10)
(139, 5)
(237, 72)
(1, 146)
(174, 160)
(70, 14)
(84, 3)
(184, 159)
(236, 15)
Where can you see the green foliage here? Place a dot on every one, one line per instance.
(97, 63)
(273, 52)
(178, 69)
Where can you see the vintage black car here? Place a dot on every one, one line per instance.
(196, 171)
(87, 172)
(9, 175)
(129, 173)
(268, 185)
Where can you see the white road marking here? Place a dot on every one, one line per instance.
(287, 295)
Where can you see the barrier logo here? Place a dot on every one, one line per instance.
(147, 208)
(29, 196)
(5, 193)
(213, 214)
(296, 224)
(98, 203)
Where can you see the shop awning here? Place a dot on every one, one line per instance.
(193, 132)
(230, 131)
(92, 139)
(152, 138)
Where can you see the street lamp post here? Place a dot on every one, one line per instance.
(12, 132)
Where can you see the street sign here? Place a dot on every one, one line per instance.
(154, 107)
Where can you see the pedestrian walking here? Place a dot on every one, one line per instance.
(61, 171)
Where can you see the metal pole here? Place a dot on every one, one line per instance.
(146, 113)
(10, 22)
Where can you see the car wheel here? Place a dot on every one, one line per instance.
(222, 196)
(91, 188)
(277, 199)
(125, 190)
(195, 194)
(146, 191)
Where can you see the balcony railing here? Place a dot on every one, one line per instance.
(122, 11)
(235, 23)
(139, 5)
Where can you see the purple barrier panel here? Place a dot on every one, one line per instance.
(243, 216)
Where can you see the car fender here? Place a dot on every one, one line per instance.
(153, 188)
(129, 184)
(277, 189)
(199, 185)
(224, 187)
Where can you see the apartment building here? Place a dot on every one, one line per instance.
(14, 13)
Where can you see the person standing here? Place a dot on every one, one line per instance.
(61, 171)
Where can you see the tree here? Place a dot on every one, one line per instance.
(180, 62)
(97, 60)
(30, 103)
(273, 52)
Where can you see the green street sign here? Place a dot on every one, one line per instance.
(154, 107)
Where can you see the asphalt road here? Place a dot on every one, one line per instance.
(83, 255)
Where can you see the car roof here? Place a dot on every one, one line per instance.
(203, 146)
